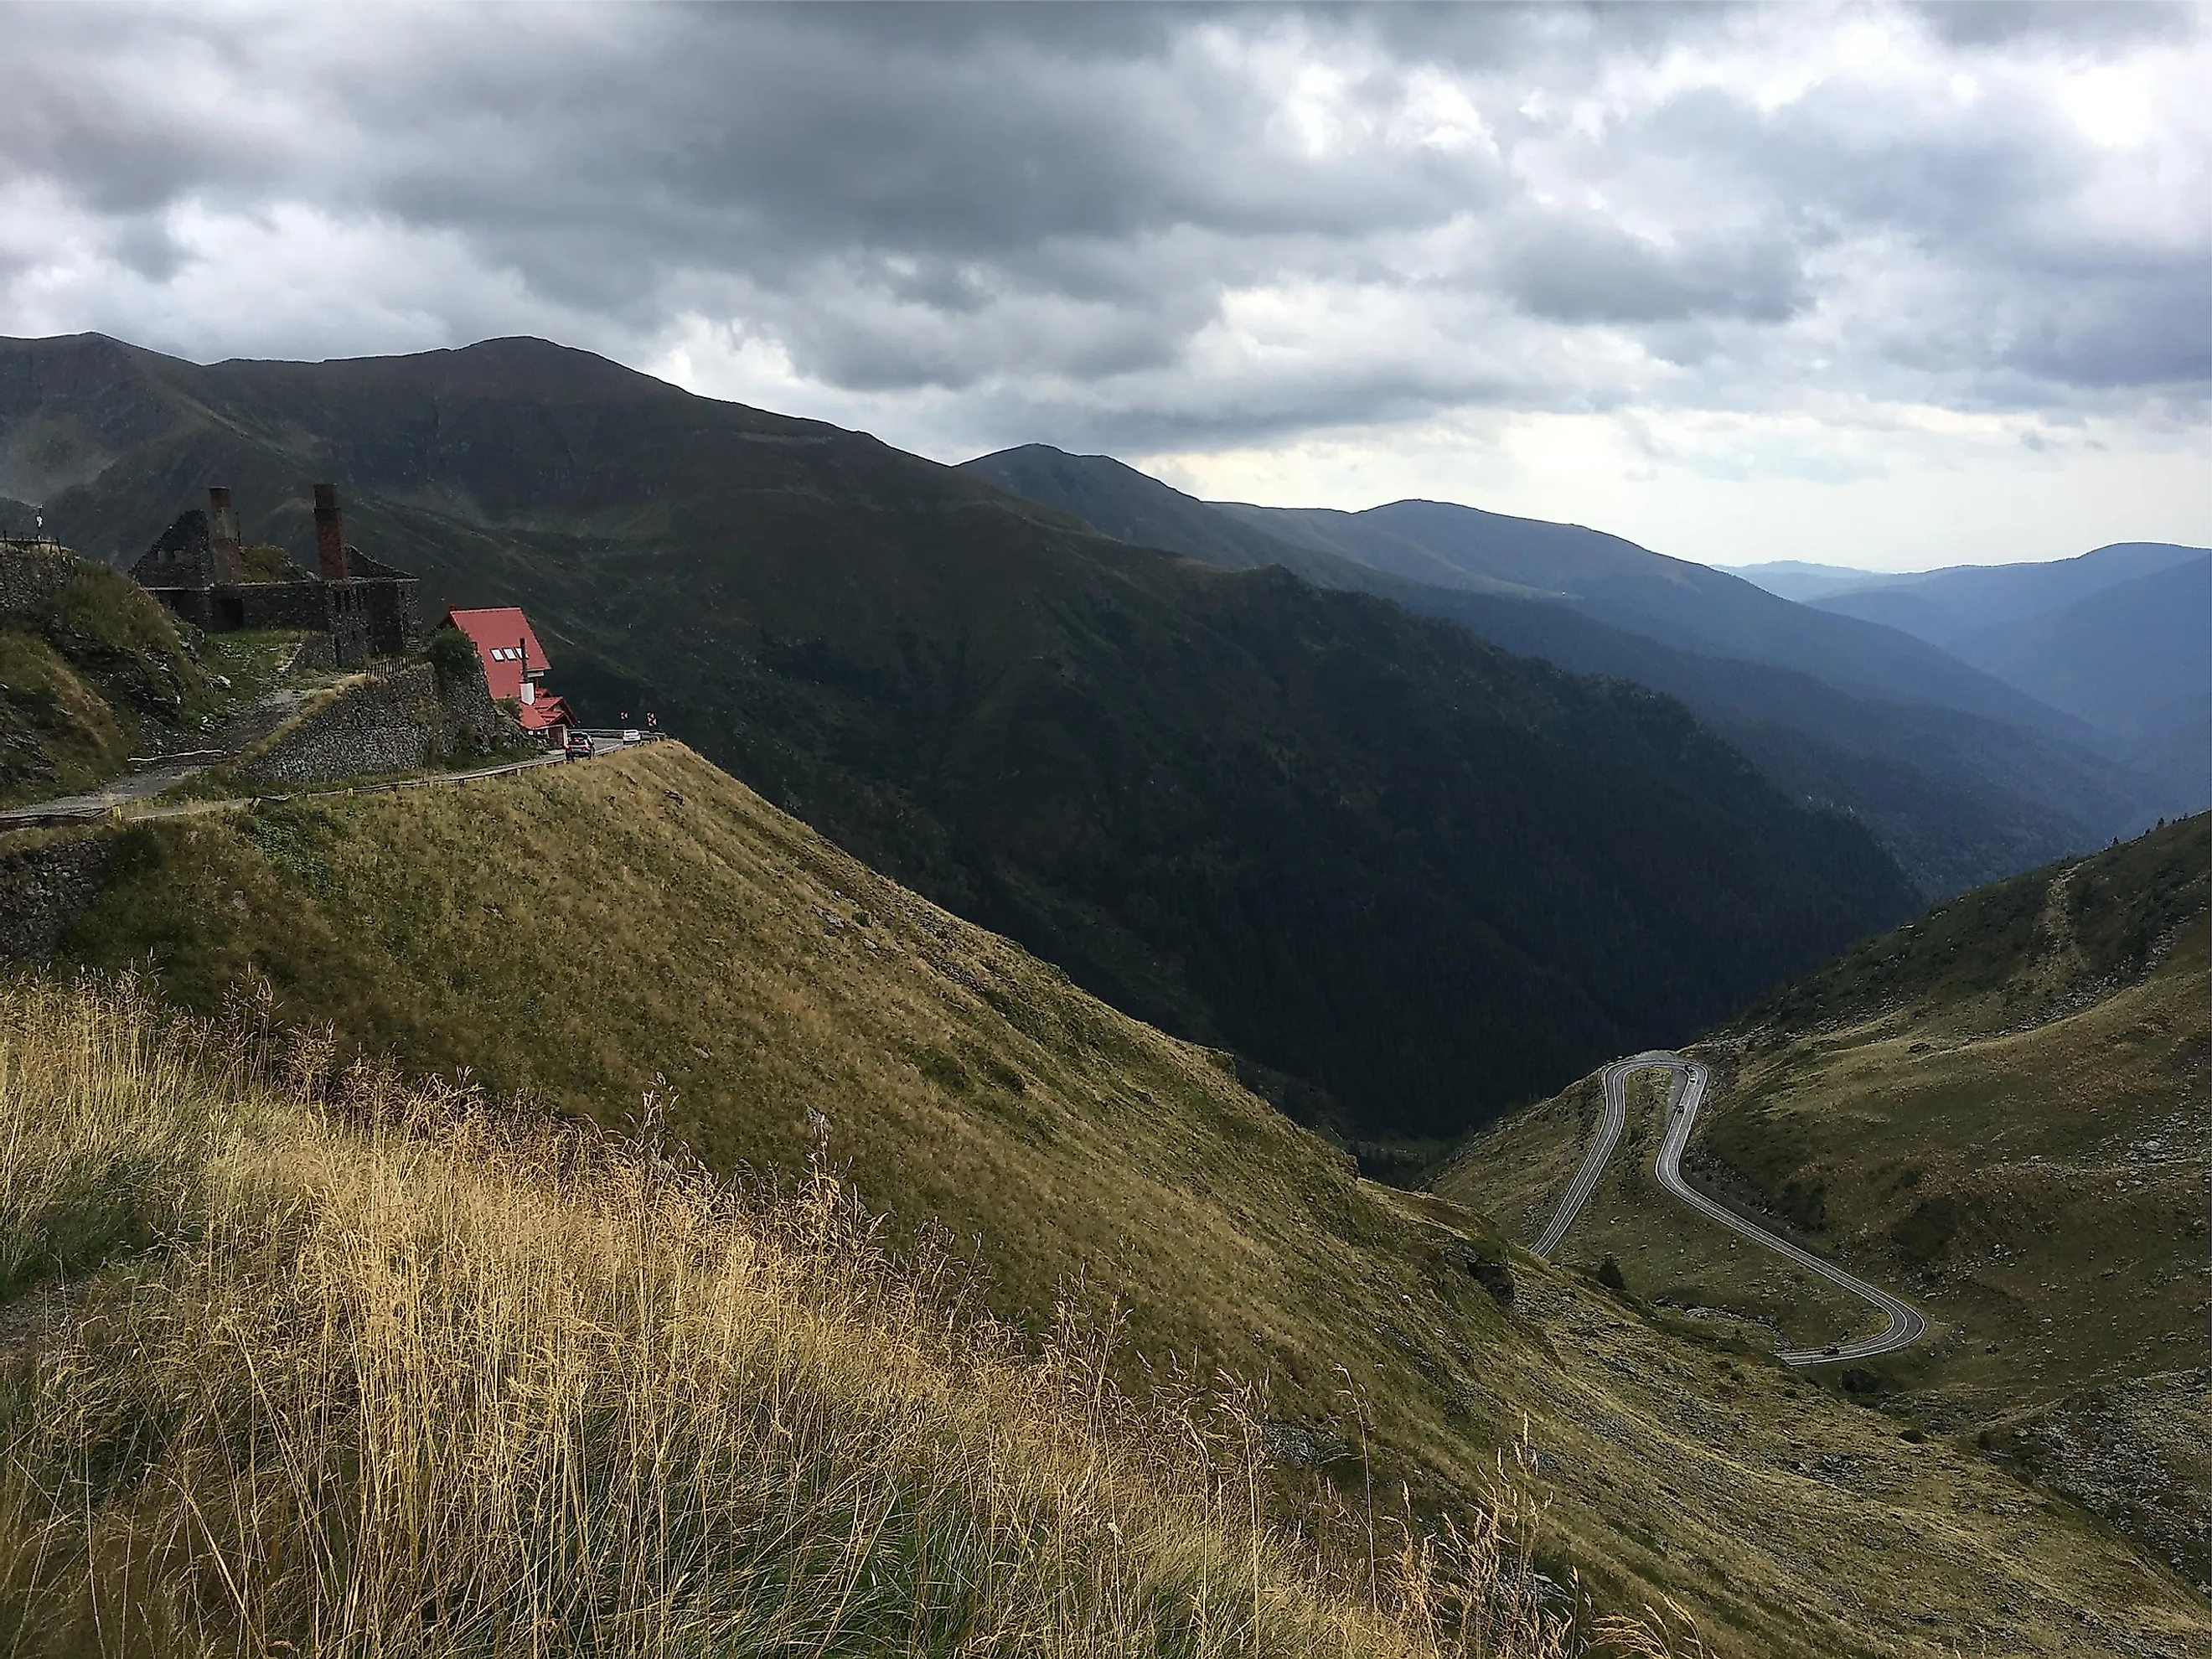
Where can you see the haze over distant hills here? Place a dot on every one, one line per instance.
(1614, 581)
(1944, 607)
(1796, 579)
(1410, 878)
(2120, 637)
(1960, 797)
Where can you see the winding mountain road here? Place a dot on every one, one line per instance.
(1907, 1324)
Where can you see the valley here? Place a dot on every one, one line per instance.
(1099, 831)
(1994, 1111)
(1963, 779)
(1385, 863)
(1098, 921)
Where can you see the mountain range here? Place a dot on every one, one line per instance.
(1407, 878)
(2120, 638)
(1965, 778)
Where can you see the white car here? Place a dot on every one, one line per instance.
(632, 735)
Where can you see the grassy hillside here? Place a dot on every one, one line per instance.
(97, 674)
(88, 676)
(1359, 848)
(405, 1375)
(642, 940)
(1959, 800)
(1995, 1111)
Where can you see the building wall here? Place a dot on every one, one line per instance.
(365, 618)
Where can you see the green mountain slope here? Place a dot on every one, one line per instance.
(1959, 799)
(92, 672)
(1362, 849)
(592, 935)
(1995, 1111)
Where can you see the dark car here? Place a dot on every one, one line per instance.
(578, 746)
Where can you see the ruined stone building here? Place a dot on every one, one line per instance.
(199, 571)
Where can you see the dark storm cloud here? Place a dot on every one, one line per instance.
(1968, 22)
(1232, 221)
(1581, 269)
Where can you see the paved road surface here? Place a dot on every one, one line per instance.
(139, 786)
(141, 807)
(1906, 1322)
(256, 723)
(1616, 1115)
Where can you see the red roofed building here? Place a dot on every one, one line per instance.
(514, 664)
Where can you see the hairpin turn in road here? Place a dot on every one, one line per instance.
(1684, 1097)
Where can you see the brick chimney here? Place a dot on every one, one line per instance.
(222, 536)
(329, 534)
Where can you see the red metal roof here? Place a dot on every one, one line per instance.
(509, 648)
(549, 710)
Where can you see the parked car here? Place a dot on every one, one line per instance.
(578, 746)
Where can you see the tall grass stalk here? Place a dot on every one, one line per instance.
(370, 1369)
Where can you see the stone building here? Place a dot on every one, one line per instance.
(199, 570)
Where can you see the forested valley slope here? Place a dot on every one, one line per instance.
(1410, 878)
(1963, 779)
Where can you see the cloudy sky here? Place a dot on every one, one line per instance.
(1886, 285)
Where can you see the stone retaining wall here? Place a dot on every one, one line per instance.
(399, 720)
(43, 889)
(29, 576)
(382, 725)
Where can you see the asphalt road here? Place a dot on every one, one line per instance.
(1608, 1133)
(133, 808)
(1905, 1325)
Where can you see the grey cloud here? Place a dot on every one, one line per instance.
(1043, 209)
(1581, 268)
(2072, 22)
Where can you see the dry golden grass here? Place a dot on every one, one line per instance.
(371, 1369)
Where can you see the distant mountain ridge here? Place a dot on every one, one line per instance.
(2120, 637)
(1795, 579)
(1408, 877)
(1627, 586)
(1945, 607)
(1959, 798)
